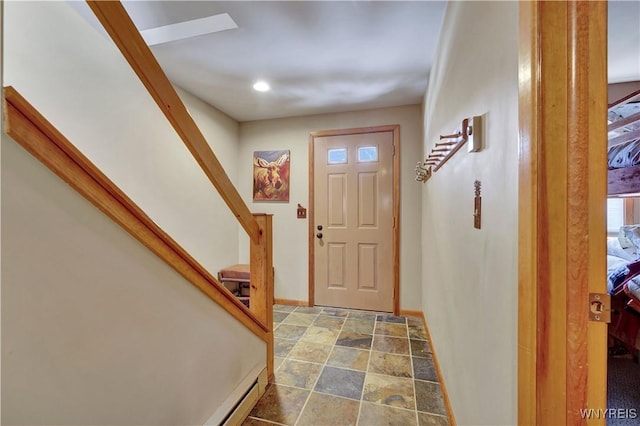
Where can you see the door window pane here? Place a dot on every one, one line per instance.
(337, 156)
(367, 154)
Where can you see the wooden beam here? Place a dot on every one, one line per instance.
(527, 213)
(624, 122)
(624, 181)
(552, 220)
(625, 100)
(624, 138)
(261, 292)
(595, 110)
(126, 36)
(39, 137)
(628, 204)
(563, 93)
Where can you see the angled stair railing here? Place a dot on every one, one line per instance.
(113, 16)
(40, 138)
(116, 21)
(30, 129)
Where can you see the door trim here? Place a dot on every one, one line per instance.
(395, 129)
(561, 210)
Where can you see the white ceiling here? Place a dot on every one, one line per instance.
(325, 56)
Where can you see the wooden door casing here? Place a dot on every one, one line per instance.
(353, 206)
(562, 226)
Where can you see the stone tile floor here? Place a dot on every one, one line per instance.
(347, 367)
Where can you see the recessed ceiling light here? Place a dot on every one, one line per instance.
(261, 86)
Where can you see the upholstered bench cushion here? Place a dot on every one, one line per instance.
(238, 273)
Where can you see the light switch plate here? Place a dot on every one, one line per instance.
(476, 133)
(301, 212)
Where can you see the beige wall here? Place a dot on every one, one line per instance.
(95, 328)
(469, 279)
(81, 83)
(291, 234)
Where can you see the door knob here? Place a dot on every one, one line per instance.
(319, 235)
(319, 227)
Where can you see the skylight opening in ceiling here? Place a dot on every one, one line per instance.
(187, 29)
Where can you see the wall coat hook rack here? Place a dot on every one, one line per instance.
(471, 132)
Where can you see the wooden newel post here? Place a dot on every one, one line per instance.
(261, 296)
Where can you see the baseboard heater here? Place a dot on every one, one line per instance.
(240, 403)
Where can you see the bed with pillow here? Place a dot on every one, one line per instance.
(623, 283)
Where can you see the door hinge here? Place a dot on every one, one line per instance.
(600, 307)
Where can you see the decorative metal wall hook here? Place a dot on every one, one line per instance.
(477, 185)
(422, 173)
(477, 205)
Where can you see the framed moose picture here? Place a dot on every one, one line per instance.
(271, 175)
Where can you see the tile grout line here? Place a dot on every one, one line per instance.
(293, 359)
(413, 375)
(266, 421)
(373, 335)
(310, 390)
(323, 366)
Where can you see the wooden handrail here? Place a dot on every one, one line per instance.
(38, 136)
(115, 20)
(126, 36)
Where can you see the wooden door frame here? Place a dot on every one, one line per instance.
(395, 130)
(561, 212)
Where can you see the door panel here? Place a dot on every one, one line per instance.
(336, 265)
(336, 198)
(367, 266)
(353, 202)
(367, 199)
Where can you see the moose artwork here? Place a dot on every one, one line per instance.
(271, 176)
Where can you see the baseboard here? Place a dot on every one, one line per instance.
(290, 302)
(239, 404)
(443, 388)
(409, 313)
